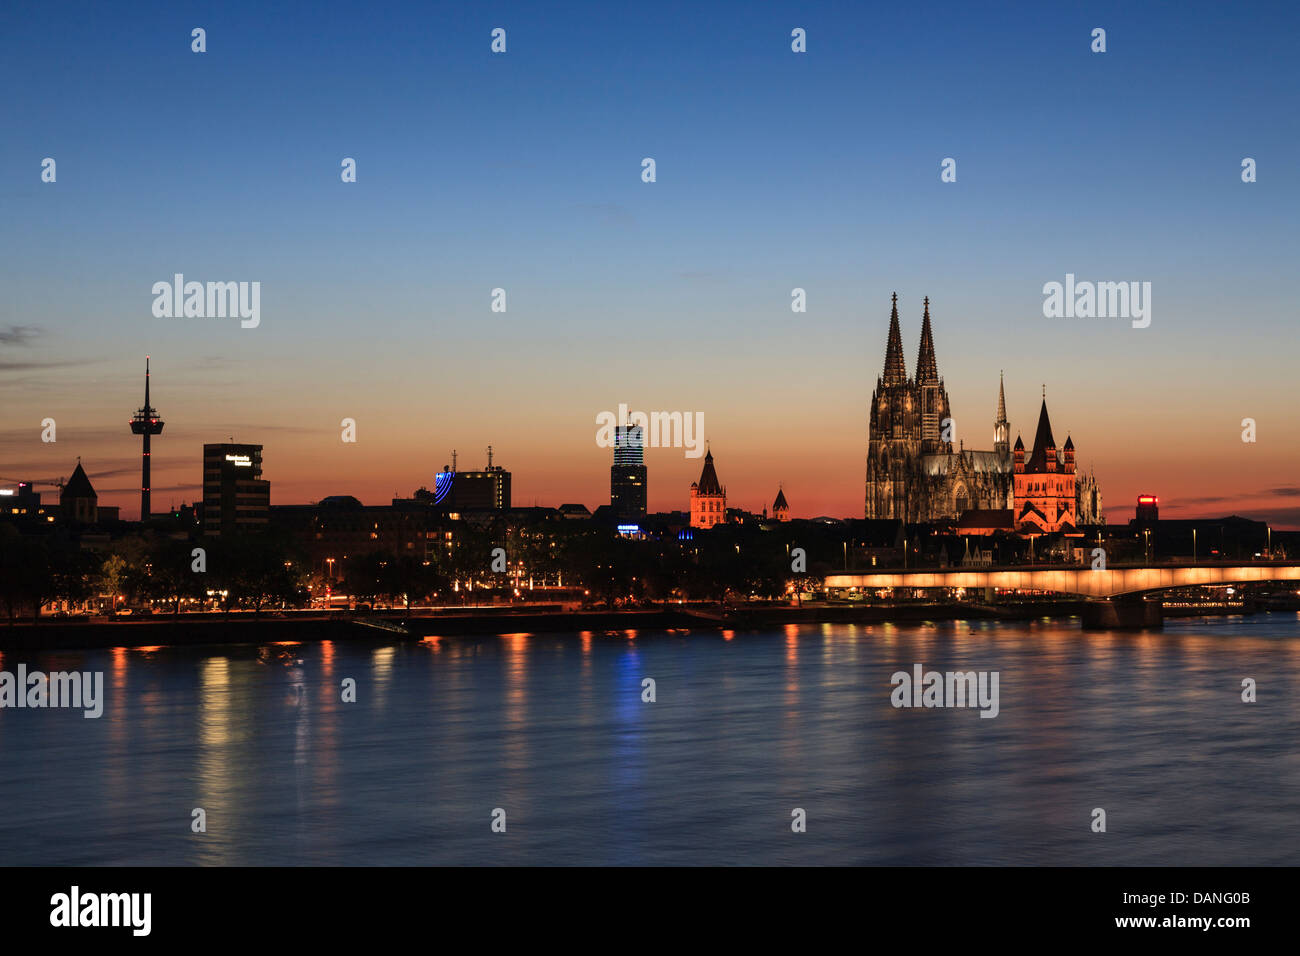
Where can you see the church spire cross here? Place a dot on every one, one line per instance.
(895, 367)
(927, 369)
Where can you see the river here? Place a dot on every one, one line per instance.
(745, 729)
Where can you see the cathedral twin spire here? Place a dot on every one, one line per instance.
(895, 367)
(927, 378)
(927, 369)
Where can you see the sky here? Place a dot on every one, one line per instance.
(522, 171)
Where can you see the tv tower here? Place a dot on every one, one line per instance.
(145, 422)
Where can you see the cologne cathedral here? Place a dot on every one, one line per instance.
(914, 473)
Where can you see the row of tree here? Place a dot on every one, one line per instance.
(148, 568)
(257, 571)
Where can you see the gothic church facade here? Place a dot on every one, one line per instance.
(914, 472)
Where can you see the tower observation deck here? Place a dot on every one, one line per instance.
(145, 423)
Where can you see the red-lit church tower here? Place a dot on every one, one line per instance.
(708, 497)
(1045, 484)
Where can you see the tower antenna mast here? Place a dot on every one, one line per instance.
(145, 423)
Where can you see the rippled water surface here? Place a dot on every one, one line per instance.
(746, 727)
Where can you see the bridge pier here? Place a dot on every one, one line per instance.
(1123, 614)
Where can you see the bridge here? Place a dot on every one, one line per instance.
(1117, 594)
(1084, 582)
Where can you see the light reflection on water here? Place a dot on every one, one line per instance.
(746, 726)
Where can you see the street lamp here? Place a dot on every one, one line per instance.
(1193, 546)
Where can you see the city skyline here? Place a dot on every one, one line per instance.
(675, 498)
(608, 435)
(776, 171)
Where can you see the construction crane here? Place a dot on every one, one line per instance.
(37, 482)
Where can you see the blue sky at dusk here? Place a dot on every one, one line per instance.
(522, 171)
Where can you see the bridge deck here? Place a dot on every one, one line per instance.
(1111, 582)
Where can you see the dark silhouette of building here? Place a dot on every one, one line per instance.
(627, 477)
(486, 490)
(780, 510)
(145, 423)
(338, 528)
(1146, 523)
(21, 505)
(78, 499)
(236, 499)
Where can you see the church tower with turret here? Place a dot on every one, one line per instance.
(1045, 494)
(708, 497)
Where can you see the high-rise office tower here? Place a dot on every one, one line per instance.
(236, 499)
(627, 477)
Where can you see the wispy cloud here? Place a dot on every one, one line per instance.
(209, 362)
(85, 433)
(1277, 516)
(229, 429)
(135, 489)
(113, 472)
(1287, 491)
(609, 213)
(19, 334)
(34, 366)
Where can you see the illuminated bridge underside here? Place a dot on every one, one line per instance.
(1112, 582)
